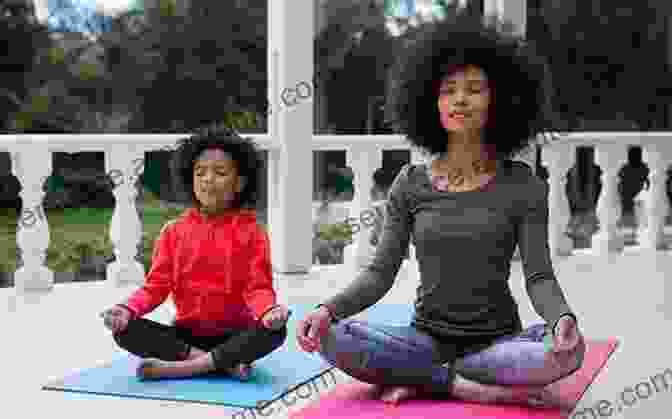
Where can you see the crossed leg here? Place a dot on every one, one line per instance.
(403, 361)
(172, 352)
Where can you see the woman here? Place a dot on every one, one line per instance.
(473, 97)
(227, 312)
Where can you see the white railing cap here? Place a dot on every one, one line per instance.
(149, 142)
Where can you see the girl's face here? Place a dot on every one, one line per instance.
(464, 100)
(216, 180)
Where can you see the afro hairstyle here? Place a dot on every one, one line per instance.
(519, 81)
(243, 151)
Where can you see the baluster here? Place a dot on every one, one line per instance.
(558, 157)
(32, 166)
(652, 237)
(608, 240)
(363, 160)
(125, 165)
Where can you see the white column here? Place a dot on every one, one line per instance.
(558, 157)
(291, 35)
(125, 164)
(610, 158)
(32, 166)
(652, 237)
(364, 160)
(514, 11)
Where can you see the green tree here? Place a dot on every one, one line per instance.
(21, 39)
(66, 89)
(200, 67)
(354, 54)
(614, 53)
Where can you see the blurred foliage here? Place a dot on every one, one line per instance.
(77, 234)
(337, 232)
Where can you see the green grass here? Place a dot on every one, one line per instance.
(77, 232)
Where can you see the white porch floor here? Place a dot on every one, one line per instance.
(60, 332)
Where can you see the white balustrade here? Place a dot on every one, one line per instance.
(610, 157)
(125, 164)
(558, 158)
(32, 166)
(657, 206)
(364, 161)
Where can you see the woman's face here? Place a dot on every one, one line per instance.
(464, 100)
(216, 180)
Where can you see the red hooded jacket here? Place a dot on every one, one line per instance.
(218, 271)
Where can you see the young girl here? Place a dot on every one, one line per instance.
(473, 97)
(215, 260)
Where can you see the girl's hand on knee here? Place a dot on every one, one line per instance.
(116, 318)
(312, 329)
(276, 318)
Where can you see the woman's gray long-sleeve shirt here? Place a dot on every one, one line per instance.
(464, 244)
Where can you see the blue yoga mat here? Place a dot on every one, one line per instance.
(273, 376)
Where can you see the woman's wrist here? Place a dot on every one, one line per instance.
(329, 310)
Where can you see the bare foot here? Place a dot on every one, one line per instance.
(241, 371)
(544, 399)
(152, 369)
(395, 394)
(531, 396)
(376, 390)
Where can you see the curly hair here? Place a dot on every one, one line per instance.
(519, 82)
(243, 151)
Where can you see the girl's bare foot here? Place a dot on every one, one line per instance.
(395, 394)
(153, 368)
(241, 371)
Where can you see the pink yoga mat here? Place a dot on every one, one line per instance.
(354, 400)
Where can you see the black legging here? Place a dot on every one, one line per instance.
(148, 339)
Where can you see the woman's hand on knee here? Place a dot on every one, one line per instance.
(312, 328)
(569, 344)
(116, 318)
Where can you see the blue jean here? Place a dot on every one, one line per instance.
(405, 355)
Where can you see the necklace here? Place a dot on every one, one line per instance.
(456, 177)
